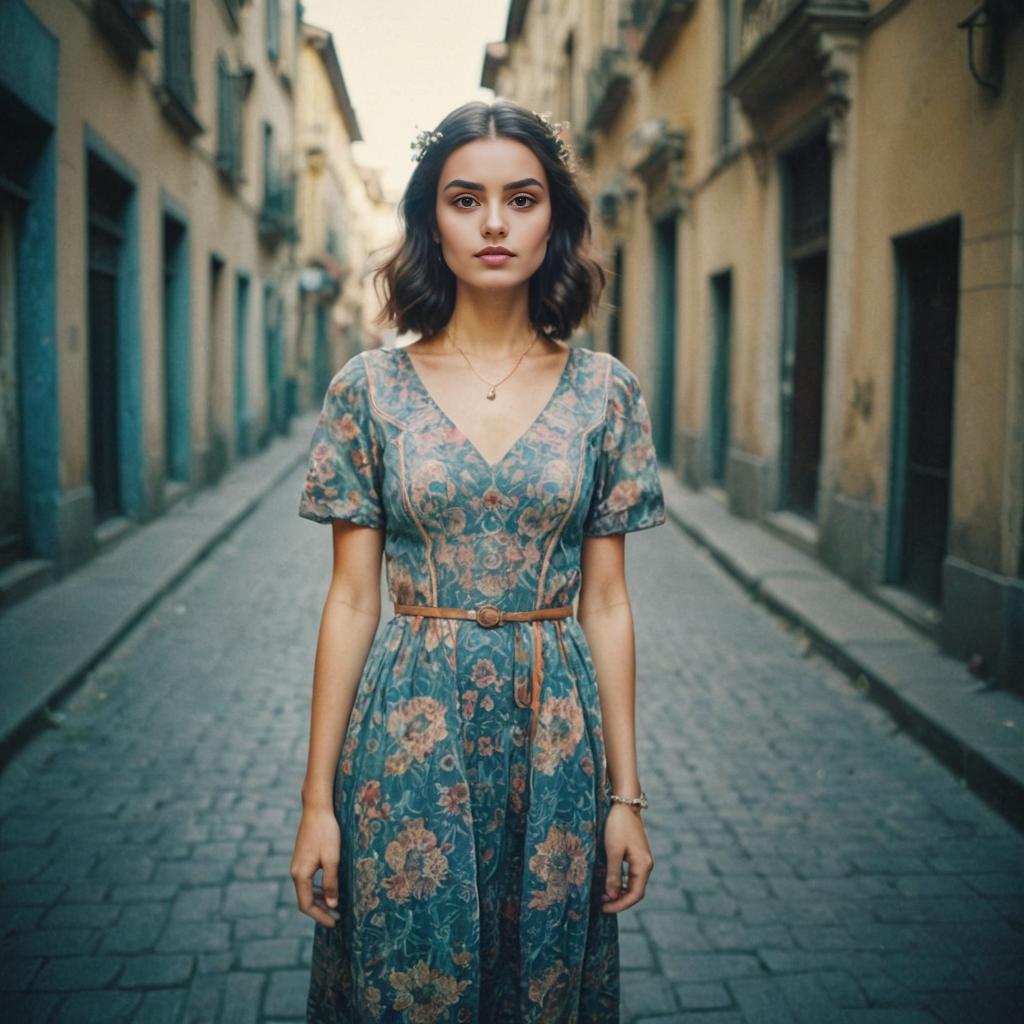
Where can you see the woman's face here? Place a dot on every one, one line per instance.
(493, 192)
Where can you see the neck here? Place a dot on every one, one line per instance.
(492, 324)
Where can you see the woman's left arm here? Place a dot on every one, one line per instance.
(606, 617)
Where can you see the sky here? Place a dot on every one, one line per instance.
(406, 64)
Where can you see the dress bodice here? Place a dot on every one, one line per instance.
(461, 531)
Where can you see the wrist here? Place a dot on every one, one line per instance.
(636, 802)
(316, 800)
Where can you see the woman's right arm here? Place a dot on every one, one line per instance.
(348, 624)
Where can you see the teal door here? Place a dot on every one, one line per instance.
(241, 364)
(107, 195)
(176, 348)
(721, 318)
(928, 283)
(272, 360)
(663, 392)
(806, 174)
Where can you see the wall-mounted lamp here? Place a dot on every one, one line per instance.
(988, 22)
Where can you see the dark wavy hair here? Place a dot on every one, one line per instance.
(416, 287)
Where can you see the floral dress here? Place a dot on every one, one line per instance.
(472, 856)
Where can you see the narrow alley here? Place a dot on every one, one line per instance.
(813, 863)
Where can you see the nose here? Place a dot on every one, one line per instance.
(494, 225)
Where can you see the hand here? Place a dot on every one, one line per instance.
(318, 844)
(625, 840)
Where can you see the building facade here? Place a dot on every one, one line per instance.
(814, 215)
(339, 204)
(147, 294)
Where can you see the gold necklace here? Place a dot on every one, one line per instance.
(491, 393)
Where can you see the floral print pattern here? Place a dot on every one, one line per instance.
(472, 786)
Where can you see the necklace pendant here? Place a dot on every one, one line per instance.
(491, 394)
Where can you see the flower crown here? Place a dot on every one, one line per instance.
(426, 138)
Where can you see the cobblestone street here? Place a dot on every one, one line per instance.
(813, 863)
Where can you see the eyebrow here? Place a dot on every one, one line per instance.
(462, 183)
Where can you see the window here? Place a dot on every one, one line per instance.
(230, 89)
(178, 51)
(273, 30)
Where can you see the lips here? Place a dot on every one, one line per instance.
(494, 250)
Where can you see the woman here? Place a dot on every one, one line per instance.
(471, 793)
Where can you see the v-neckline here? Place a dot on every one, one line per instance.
(492, 466)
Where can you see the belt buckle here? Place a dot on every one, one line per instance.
(488, 615)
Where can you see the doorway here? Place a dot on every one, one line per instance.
(215, 351)
(928, 285)
(663, 412)
(274, 377)
(807, 179)
(721, 318)
(12, 522)
(176, 345)
(241, 365)
(615, 313)
(108, 198)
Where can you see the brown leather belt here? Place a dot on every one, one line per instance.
(487, 615)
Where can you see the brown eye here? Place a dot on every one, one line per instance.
(531, 202)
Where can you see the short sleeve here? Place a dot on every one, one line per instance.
(627, 492)
(343, 478)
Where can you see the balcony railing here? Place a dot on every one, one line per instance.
(762, 18)
(124, 24)
(234, 9)
(277, 215)
(607, 87)
(782, 44)
(659, 23)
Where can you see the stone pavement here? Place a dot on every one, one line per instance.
(814, 864)
(51, 639)
(975, 727)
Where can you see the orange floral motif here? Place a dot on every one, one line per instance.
(455, 800)
(366, 886)
(419, 725)
(561, 861)
(559, 731)
(623, 496)
(485, 674)
(548, 991)
(368, 809)
(398, 763)
(420, 866)
(344, 427)
(425, 992)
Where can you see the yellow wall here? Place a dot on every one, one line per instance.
(120, 106)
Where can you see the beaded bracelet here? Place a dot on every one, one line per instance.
(636, 801)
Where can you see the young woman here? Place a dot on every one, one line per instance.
(472, 794)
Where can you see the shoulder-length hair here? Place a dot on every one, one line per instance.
(416, 287)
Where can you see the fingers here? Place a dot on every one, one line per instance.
(613, 878)
(310, 900)
(629, 887)
(330, 886)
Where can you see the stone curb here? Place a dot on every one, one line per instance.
(976, 730)
(54, 637)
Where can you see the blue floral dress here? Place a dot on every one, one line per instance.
(472, 855)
